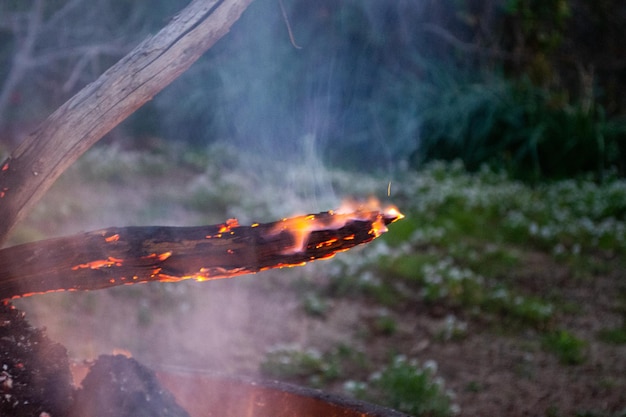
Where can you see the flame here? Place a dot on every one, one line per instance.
(100, 263)
(393, 211)
(123, 352)
(301, 227)
(159, 256)
(225, 228)
(112, 238)
(355, 222)
(230, 223)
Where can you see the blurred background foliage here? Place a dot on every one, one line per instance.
(533, 87)
(512, 90)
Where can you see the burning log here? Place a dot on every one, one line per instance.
(128, 255)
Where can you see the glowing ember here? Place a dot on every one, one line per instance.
(160, 257)
(302, 227)
(100, 263)
(105, 258)
(112, 238)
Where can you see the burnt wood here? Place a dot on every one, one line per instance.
(128, 255)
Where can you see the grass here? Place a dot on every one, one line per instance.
(463, 246)
(568, 348)
(452, 329)
(408, 387)
(466, 248)
(312, 366)
(466, 235)
(385, 325)
(315, 306)
(616, 336)
(402, 384)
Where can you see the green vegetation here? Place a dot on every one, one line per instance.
(509, 117)
(310, 365)
(478, 250)
(467, 235)
(567, 347)
(408, 387)
(529, 86)
(615, 336)
(464, 248)
(517, 127)
(477, 253)
(315, 305)
(385, 325)
(403, 384)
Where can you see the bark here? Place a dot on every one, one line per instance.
(118, 256)
(32, 168)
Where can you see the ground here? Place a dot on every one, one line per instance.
(493, 367)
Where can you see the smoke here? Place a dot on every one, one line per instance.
(333, 103)
(278, 124)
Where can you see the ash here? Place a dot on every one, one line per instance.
(117, 386)
(35, 379)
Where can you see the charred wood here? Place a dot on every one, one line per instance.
(128, 255)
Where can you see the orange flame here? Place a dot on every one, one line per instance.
(159, 256)
(100, 263)
(302, 226)
(112, 238)
(353, 223)
(224, 228)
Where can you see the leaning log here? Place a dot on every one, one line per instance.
(79, 123)
(128, 255)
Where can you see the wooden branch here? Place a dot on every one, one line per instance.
(79, 123)
(128, 255)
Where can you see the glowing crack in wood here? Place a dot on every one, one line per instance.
(128, 255)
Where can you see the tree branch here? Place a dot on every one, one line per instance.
(32, 168)
(128, 255)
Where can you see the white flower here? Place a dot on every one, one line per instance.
(430, 366)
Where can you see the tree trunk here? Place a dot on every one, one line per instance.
(34, 166)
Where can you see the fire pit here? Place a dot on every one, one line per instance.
(129, 255)
(123, 256)
(202, 394)
(205, 395)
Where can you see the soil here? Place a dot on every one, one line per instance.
(228, 326)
